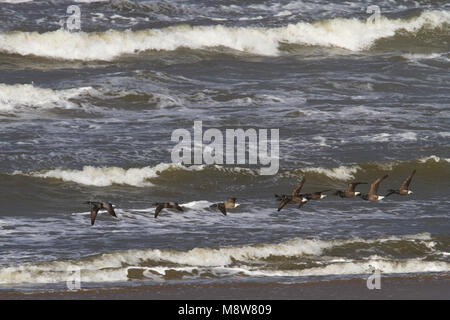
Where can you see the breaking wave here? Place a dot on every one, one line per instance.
(19, 96)
(294, 258)
(142, 177)
(350, 34)
(107, 176)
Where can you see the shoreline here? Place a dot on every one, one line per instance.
(413, 287)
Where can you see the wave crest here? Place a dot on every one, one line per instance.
(17, 96)
(350, 34)
(104, 176)
(141, 177)
(281, 259)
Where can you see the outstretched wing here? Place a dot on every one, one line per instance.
(351, 186)
(94, 211)
(299, 187)
(222, 208)
(283, 202)
(374, 186)
(405, 184)
(110, 209)
(158, 209)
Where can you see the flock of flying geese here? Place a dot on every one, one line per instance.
(294, 198)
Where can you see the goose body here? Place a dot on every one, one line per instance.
(97, 206)
(166, 205)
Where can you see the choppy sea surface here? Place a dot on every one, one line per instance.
(88, 115)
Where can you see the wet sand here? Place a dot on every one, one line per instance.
(421, 287)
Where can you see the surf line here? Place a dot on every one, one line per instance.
(190, 310)
(236, 150)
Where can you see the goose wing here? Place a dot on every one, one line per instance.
(283, 202)
(110, 209)
(158, 209)
(374, 186)
(94, 211)
(299, 187)
(351, 186)
(222, 208)
(405, 184)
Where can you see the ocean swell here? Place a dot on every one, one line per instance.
(286, 259)
(350, 34)
(142, 177)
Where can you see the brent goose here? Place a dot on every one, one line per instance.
(312, 196)
(315, 195)
(167, 205)
(350, 191)
(96, 206)
(293, 198)
(373, 193)
(223, 206)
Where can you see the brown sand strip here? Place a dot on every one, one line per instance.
(418, 287)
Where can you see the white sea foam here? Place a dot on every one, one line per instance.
(421, 56)
(354, 267)
(283, 13)
(351, 34)
(90, 1)
(40, 274)
(197, 205)
(390, 165)
(15, 1)
(138, 177)
(115, 264)
(339, 173)
(386, 137)
(18, 96)
(433, 158)
(321, 141)
(406, 136)
(105, 176)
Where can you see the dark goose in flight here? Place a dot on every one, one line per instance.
(96, 206)
(350, 191)
(167, 205)
(223, 206)
(315, 195)
(293, 198)
(404, 188)
(312, 196)
(373, 193)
